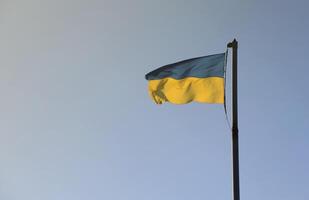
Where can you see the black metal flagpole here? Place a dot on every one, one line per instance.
(235, 153)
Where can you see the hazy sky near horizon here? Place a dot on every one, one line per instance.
(76, 121)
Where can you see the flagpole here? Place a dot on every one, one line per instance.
(235, 153)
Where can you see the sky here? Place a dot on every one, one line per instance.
(76, 121)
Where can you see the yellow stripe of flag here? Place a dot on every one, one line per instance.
(203, 90)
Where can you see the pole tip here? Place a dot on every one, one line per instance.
(232, 44)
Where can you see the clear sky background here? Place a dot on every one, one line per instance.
(76, 121)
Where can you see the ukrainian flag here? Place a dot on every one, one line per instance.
(198, 79)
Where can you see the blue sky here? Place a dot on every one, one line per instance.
(77, 122)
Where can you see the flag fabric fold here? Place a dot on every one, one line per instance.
(198, 79)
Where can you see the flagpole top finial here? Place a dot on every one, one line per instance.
(232, 44)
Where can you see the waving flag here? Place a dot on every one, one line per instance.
(198, 79)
